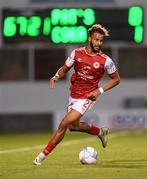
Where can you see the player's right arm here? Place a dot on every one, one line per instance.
(63, 70)
(59, 74)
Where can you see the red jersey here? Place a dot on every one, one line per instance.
(89, 69)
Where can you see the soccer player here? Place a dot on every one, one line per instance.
(89, 65)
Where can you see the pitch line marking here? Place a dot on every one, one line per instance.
(67, 143)
(41, 146)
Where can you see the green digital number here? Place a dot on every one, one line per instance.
(47, 26)
(138, 34)
(22, 21)
(135, 19)
(135, 16)
(9, 29)
(34, 24)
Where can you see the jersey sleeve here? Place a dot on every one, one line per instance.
(110, 66)
(70, 60)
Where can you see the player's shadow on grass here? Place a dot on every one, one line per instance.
(134, 163)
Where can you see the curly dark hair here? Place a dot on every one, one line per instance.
(98, 28)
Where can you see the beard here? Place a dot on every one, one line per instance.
(93, 49)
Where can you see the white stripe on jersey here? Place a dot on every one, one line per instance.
(110, 66)
(70, 60)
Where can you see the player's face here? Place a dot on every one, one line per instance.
(96, 40)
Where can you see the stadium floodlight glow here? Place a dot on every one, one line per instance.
(135, 16)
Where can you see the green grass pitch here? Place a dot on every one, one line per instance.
(124, 157)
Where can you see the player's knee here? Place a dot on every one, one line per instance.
(70, 128)
(73, 128)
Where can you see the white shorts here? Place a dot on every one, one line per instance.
(80, 105)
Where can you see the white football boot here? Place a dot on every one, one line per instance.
(38, 160)
(103, 136)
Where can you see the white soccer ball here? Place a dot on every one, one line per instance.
(88, 155)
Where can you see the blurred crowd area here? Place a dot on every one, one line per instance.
(40, 64)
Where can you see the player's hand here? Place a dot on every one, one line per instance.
(93, 95)
(52, 81)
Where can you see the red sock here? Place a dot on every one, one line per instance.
(94, 130)
(50, 146)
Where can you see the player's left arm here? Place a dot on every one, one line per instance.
(114, 81)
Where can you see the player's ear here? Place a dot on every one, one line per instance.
(89, 39)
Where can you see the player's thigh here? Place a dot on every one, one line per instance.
(72, 117)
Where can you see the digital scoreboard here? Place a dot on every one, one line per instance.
(70, 25)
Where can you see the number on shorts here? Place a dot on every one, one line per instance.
(87, 103)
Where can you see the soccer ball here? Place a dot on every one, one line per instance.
(88, 155)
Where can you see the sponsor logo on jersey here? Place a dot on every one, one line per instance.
(84, 74)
